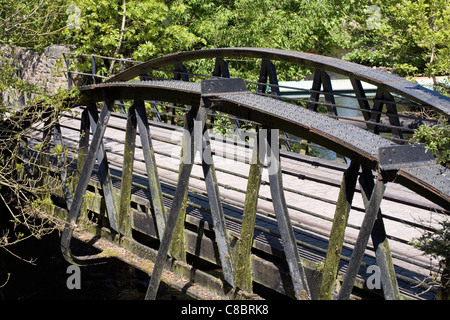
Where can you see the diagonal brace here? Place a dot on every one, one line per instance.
(105, 176)
(177, 204)
(363, 238)
(83, 182)
(284, 222)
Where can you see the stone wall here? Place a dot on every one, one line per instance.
(45, 69)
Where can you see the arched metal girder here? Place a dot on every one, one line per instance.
(383, 80)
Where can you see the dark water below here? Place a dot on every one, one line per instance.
(46, 279)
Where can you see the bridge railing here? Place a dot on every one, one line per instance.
(378, 110)
(86, 69)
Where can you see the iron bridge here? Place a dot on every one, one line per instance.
(273, 216)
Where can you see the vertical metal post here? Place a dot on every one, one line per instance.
(315, 91)
(392, 114)
(330, 103)
(383, 97)
(93, 69)
(322, 79)
(362, 99)
(181, 72)
(336, 241)
(363, 238)
(243, 276)
(83, 145)
(177, 249)
(298, 276)
(375, 114)
(69, 73)
(62, 161)
(150, 165)
(312, 104)
(221, 68)
(268, 72)
(124, 218)
(157, 114)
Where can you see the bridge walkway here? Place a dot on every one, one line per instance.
(311, 187)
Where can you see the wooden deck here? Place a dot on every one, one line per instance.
(311, 189)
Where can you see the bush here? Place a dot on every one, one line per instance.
(436, 139)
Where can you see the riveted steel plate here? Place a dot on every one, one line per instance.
(167, 90)
(221, 85)
(403, 156)
(341, 134)
(431, 178)
(164, 84)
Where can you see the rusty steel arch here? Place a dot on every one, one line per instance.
(382, 79)
(408, 165)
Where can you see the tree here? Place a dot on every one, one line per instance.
(411, 37)
(146, 29)
(26, 182)
(437, 245)
(33, 23)
(132, 29)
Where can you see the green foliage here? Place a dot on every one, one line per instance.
(32, 23)
(136, 29)
(436, 139)
(436, 243)
(142, 30)
(292, 25)
(411, 37)
(25, 183)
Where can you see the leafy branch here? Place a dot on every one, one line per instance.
(26, 179)
(436, 139)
